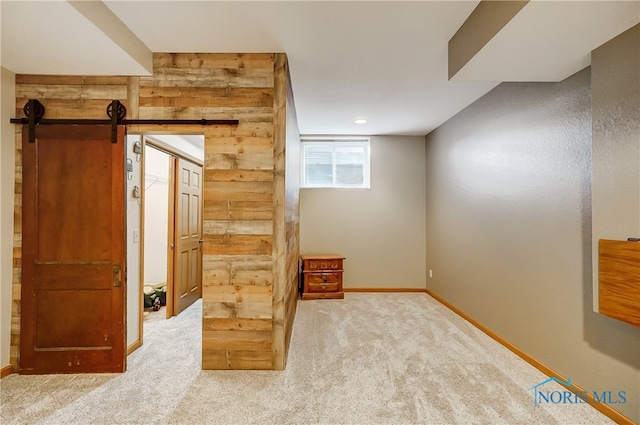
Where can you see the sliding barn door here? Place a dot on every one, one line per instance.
(73, 251)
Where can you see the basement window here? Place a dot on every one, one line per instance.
(335, 162)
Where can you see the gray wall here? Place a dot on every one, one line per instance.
(509, 230)
(615, 90)
(381, 230)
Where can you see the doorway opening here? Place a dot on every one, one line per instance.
(170, 266)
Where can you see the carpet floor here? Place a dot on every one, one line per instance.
(393, 358)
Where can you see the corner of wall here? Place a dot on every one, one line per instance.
(7, 171)
(285, 212)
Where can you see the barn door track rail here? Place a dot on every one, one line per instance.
(34, 110)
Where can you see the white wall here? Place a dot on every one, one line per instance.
(7, 177)
(133, 245)
(156, 219)
(381, 230)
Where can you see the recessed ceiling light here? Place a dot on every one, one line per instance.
(360, 121)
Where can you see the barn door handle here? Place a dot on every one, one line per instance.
(117, 280)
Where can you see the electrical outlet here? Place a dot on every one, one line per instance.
(136, 236)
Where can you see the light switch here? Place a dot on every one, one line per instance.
(136, 236)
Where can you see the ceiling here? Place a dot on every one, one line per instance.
(385, 61)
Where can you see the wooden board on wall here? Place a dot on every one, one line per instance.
(237, 299)
(238, 191)
(619, 280)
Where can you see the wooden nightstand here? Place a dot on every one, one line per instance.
(321, 276)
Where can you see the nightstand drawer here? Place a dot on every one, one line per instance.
(323, 282)
(324, 265)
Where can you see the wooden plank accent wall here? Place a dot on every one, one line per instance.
(292, 208)
(16, 278)
(286, 211)
(251, 220)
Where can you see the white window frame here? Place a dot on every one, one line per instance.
(349, 141)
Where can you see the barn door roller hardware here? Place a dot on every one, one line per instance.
(34, 110)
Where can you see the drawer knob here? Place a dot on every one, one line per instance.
(324, 278)
(323, 287)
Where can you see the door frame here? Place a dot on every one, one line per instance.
(152, 139)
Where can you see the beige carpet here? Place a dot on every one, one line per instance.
(367, 359)
(151, 316)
